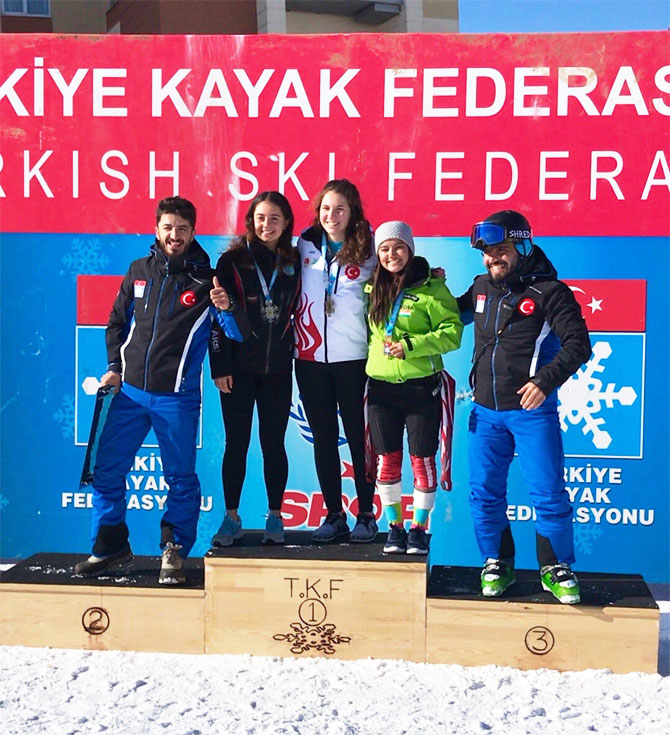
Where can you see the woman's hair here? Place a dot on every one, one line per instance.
(284, 244)
(357, 247)
(385, 288)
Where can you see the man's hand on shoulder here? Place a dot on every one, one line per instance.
(113, 379)
(531, 396)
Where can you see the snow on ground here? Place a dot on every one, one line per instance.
(63, 692)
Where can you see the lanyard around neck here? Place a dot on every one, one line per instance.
(329, 280)
(393, 318)
(264, 284)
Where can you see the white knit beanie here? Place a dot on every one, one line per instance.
(394, 230)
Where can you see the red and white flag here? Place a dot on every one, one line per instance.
(613, 305)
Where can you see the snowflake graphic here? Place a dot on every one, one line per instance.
(322, 638)
(297, 413)
(582, 398)
(4, 502)
(65, 416)
(85, 257)
(465, 395)
(586, 535)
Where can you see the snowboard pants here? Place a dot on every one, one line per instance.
(536, 436)
(174, 418)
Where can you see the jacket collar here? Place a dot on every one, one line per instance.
(195, 257)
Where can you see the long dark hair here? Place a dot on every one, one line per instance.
(385, 288)
(285, 248)
(357, 246)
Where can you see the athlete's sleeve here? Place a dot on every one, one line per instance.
(120, 321)
(466, 306)
(566, 321)
(235, 323)
(446, 327)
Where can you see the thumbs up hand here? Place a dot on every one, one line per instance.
(219, 297)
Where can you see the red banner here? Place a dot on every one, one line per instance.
(439, 130)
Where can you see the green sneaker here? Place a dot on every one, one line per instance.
(496, 577)
(560, 580)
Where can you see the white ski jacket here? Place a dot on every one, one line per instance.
(342, 335)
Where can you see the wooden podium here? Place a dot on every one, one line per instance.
(42, 603)
(342, 601)
(615, 626)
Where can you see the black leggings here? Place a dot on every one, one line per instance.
(272, 395)
(325, 387)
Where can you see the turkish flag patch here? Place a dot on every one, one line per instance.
(188, 298)
(526, 307)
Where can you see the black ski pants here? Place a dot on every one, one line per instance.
(326, 387)
(271, 393)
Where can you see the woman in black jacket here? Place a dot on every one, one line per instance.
(260, 274)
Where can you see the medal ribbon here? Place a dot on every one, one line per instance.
(329, 280)
(264, 284)
(394, 314)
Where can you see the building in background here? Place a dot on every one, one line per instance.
(53, 16)
(228, 16)
(330, 16)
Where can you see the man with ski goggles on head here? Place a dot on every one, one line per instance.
(530, 337)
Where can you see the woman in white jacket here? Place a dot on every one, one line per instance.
(337, 259)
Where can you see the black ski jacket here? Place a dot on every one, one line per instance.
(527, 327)
(270, 347)
(162, 322)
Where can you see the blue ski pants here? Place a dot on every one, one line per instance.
(536, 436)
(174, 418)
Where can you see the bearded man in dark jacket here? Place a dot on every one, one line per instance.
(157, 337)
(530, 337)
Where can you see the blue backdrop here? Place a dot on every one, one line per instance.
(620, 491)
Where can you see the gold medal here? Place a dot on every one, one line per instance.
(330, 305)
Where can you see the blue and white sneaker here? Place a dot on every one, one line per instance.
(230, 531)
(334, 528)
(274, 530)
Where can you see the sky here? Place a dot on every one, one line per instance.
(519, 16)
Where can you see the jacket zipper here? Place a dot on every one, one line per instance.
(153, 333)
(267, 351)
(174, 297)
(495, 347)
(325, 326)
(146, 298)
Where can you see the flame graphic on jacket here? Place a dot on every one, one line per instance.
(307, 336)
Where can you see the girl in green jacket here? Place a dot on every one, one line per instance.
(413, 320)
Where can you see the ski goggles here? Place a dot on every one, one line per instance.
(486, 234)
